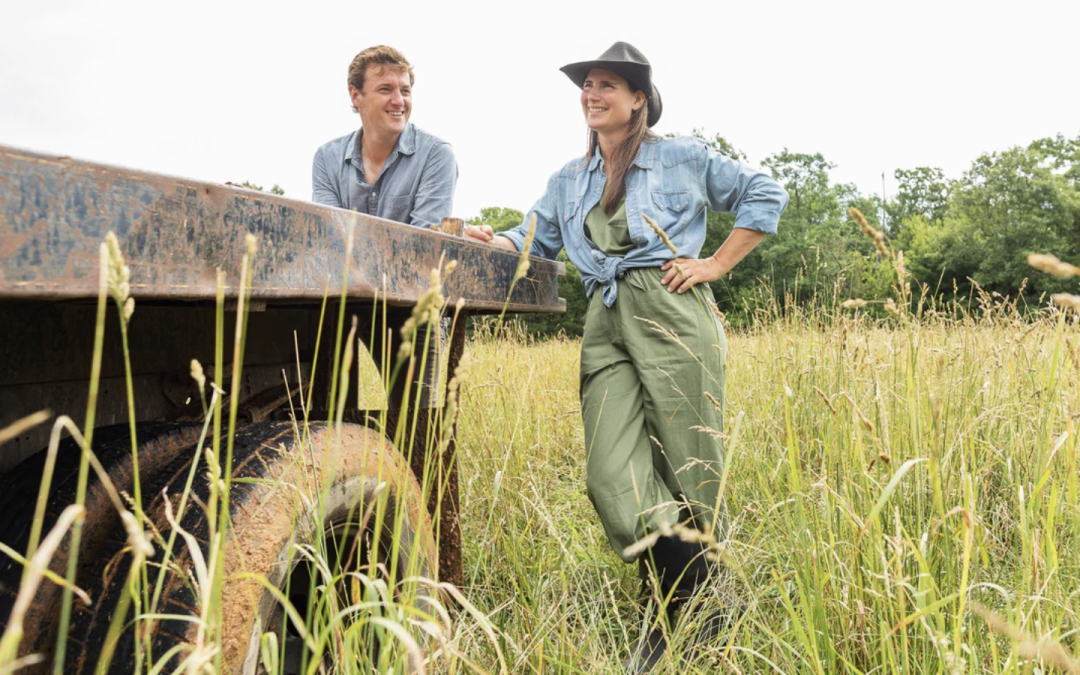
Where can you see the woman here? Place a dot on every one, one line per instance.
(648, 398)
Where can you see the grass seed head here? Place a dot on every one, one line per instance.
(137, 539)
(526, 247)
(198, 375)
(119, 275)
(660, 233)
(1067, 300)
(866, 228)
(1051, 265)
(854, 303)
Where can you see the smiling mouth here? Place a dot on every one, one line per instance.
(597, 110)
(395, 113)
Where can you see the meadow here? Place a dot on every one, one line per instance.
(898, 489)
(901, 480)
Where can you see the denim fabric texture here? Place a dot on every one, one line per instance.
(416, 185)
(673, 181)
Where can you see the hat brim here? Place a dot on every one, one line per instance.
(635, 73)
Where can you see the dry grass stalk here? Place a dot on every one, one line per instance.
(1066, 300)
(672, 335)
(16, 428)
(1051, 265)
(49, 574)
(1045, 649)
(9, 642)
(526, 246)
(854, 303)
(866, 228)
(825, 398)
(660, 233)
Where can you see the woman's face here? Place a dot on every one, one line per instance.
(607, 101)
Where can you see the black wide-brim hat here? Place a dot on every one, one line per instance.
(626, 60)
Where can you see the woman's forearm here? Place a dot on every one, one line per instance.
(483, 233)
(503, 242)
(740, 242)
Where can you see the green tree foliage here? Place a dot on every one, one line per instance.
(500, 219)
(922, 191)
(276, 190)
(1009, 204)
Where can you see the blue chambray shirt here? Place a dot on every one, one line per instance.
(416, 185)
(672, 180)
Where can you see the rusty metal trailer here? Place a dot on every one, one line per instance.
(175, 234)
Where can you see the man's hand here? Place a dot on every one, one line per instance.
(685, 273)
(482, 233)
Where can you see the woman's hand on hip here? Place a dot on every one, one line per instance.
(682, 274)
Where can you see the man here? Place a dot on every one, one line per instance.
(388, 167)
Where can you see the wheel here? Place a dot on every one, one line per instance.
(275, 490)
(158, 444)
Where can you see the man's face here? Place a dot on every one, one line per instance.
(386, 101)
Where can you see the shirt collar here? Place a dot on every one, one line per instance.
(645, 153)
(406, 144)
(596, 159)
(643, 159)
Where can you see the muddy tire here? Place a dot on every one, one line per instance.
(159, 445)
(275, 482)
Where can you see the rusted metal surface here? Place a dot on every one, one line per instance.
(451, 567)
(174, 233)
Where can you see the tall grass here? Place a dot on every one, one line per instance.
(903, 490)
(888, 474)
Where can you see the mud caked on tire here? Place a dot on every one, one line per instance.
(321, 492)
(159, 444)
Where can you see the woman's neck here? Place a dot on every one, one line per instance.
(608, 144)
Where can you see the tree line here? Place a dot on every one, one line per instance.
(956, 234)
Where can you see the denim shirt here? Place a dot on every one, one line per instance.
(416, 185)
(672, 180)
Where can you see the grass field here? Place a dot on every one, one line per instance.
(903, 493)
(888, 481)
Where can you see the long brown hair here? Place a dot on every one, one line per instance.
(620, 160)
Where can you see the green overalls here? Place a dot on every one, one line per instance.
(651, 435)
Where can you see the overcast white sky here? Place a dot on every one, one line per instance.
(233, 91)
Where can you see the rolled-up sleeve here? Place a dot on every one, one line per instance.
(323, 190)
(755, 198)
(547, 241)
(435, 190)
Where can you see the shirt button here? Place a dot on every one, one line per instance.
(374, 194)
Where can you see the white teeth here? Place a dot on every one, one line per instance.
(597, 110)
(395, 114)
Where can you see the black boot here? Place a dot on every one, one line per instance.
(650, 647)
(681, 566)
(712, 615)
(687, 574)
